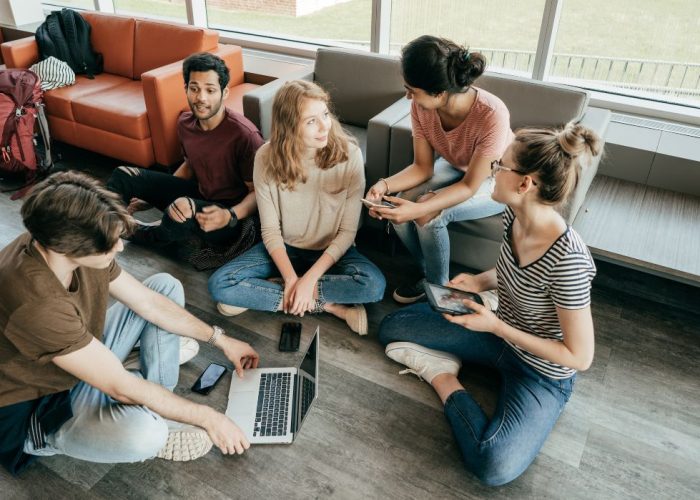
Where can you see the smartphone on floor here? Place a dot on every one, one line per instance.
(209, 378)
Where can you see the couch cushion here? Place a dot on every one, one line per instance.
(489, 227)
(121, 110)
(113, 37)
(360, 134)
(360, 84)
(235, 96)
(533, 103)
(153, 51)
(58, 101)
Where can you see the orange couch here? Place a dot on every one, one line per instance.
(130, 111)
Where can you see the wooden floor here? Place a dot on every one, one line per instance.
(643, 227)
(631, 429)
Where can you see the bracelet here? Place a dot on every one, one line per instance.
(218, 332)
(386, 184)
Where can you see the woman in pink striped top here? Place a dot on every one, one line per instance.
(468, 128)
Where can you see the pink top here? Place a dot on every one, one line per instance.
(485, 132)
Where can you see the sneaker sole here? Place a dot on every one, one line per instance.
(406, 300)
(183, 446)
(228, 310)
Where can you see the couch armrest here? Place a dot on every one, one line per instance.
(257, 104)
(379, 139)
(401, 146)
(164, 93)
(20, 53)
(597, 120)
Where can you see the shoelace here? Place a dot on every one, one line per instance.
(411, 370)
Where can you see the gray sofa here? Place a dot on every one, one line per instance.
(476, 243)
(366, 92)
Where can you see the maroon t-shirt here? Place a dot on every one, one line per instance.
(221, 159)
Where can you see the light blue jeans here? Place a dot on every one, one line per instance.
(243, 282)
(104, 430)
(500, 448)
(430, 244)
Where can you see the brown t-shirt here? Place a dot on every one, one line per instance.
(40, 319)
(221, 159)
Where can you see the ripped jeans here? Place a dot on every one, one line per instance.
(430, 243)
(160, 190)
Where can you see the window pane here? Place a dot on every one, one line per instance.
(645, 48)
(505, 31)
(78, 4)
(326, 22)
(169, 10)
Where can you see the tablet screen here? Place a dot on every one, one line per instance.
(450, 299)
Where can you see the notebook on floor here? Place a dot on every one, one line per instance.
(270, 404)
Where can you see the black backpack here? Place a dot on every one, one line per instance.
(65, 35)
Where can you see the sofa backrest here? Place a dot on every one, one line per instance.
(113, 37)
(533, 103)
(360, 84)
(131, 46)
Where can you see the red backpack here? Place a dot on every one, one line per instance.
(20, 106)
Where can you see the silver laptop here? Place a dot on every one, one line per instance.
(270, 404)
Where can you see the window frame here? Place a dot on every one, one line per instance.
(379, 43)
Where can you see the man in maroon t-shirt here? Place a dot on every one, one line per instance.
(212, 191)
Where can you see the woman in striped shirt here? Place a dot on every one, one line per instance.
(468, 128)
(542, 332)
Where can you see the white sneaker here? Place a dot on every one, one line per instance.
(425, 363)
(188, 350)
(228, 310)
(186, 442)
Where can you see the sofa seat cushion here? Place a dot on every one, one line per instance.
(490, 228)
(120, 110)
(360, 134)
(58, 101)
(234, 100)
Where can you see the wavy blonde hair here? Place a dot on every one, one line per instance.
(286, 145)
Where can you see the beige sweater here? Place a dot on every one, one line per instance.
(321, 214)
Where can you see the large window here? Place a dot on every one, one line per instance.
(646, 48)
(77, 4)
(505, 31)
(170, 10)
(326, 22)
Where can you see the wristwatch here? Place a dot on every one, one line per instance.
(233, 221)
(218, 332)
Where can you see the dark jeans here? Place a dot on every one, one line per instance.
(498, 449)
(160, 190)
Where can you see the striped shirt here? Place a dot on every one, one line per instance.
(528, 296)
(485, 132)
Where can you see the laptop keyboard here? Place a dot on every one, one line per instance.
(273, 405)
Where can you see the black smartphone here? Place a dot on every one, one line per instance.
(208, 379)
(290, 336)
(449, 300)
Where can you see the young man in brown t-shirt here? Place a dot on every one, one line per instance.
(212, 190)
(63, 387)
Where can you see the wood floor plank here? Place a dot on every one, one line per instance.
(631, 429)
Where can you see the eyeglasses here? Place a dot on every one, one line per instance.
(496, 165)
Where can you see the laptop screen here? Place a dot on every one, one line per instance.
(306, 383)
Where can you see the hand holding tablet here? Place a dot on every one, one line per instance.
(449, 300)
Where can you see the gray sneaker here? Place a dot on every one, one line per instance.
(185, 443)
(425, 363)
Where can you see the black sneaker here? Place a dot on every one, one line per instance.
(408, 294)
(145, 233)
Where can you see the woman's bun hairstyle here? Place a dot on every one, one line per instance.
(555, 157)
(438, 65)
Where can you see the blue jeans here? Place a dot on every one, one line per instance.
(499, 449)
(243, 282)
(104, 430)
(430, 244)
